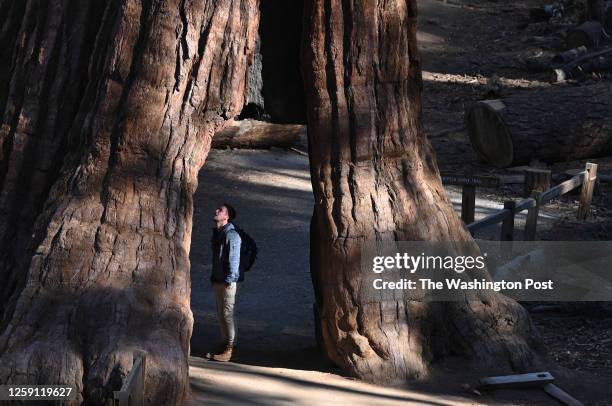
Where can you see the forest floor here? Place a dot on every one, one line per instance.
(466, 43)
(463, 44)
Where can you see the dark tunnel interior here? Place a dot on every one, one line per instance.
(275, 88)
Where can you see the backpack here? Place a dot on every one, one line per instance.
(248, 250)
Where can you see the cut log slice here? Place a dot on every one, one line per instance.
(489, 134)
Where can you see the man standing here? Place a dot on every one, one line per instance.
(225, 276)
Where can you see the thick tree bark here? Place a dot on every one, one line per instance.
(375, 177)
(108, 109)
(555, 124)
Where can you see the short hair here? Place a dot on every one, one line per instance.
(231, 212)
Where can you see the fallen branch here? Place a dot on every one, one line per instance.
(598, 61)
(298, 151)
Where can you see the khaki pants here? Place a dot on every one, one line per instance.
(226, 298)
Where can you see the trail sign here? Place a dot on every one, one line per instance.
(463, 180)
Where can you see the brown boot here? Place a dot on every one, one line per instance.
(225, 356)
(219, 348)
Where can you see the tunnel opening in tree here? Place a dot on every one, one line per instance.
(275, 89)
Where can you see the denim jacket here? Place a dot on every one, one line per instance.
(225, 244)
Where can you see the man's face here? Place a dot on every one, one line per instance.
(221, 214)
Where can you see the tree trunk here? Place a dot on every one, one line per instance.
(555, 124)
(375, 177)
(108, 109)
(258, 134)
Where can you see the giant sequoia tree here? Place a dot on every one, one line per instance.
(375, 177)
(108, 110)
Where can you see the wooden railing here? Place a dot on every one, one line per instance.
(133, 389)
(506, 216)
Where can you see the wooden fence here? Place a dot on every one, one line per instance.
(585, 179)
(133, 389)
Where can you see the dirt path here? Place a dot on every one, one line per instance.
(239, 384)
(272, 193)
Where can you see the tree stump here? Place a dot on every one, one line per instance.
(536, 180)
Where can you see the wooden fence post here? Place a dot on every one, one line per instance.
(139, 398)
(586, 193)
(532, 217)
(132, 392)
(468, 203)
(507, 229)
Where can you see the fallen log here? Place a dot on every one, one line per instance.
(599, 62)
(255, 134)
(570, 55)
(551, 125)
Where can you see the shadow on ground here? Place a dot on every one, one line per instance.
(232, 383)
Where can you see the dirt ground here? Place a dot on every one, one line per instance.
(463, 44)
(239, 383)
